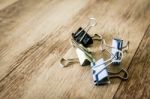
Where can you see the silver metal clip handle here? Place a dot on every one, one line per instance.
(67, 62)
(92, 22)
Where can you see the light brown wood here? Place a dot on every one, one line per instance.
(6, 3)
(34, 35)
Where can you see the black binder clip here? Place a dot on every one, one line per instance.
(81, 36)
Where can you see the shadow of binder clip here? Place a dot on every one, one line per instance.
(81, 36)
(101, 75)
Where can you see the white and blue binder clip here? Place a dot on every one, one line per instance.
(101, 74)
(118, 44)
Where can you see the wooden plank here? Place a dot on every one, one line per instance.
(28, 24)
(137, 86)
(33, 69)
(6, 3)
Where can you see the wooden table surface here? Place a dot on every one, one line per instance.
(34, 36)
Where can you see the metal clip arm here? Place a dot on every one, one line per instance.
(117, 74)
(67, 62)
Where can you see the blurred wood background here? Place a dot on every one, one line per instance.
(34, 36)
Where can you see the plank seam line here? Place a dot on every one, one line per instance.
(133, 56)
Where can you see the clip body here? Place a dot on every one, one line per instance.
(81, 36)
(83, 58)
(100, 72)
(117, 45)
(87, 39)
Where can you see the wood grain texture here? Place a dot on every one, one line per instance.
(34, 38)
(138, 85)
(6, 3)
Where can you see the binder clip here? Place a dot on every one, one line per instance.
(81, 36)
(100, 73)
(84, 55)
(117, 44)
